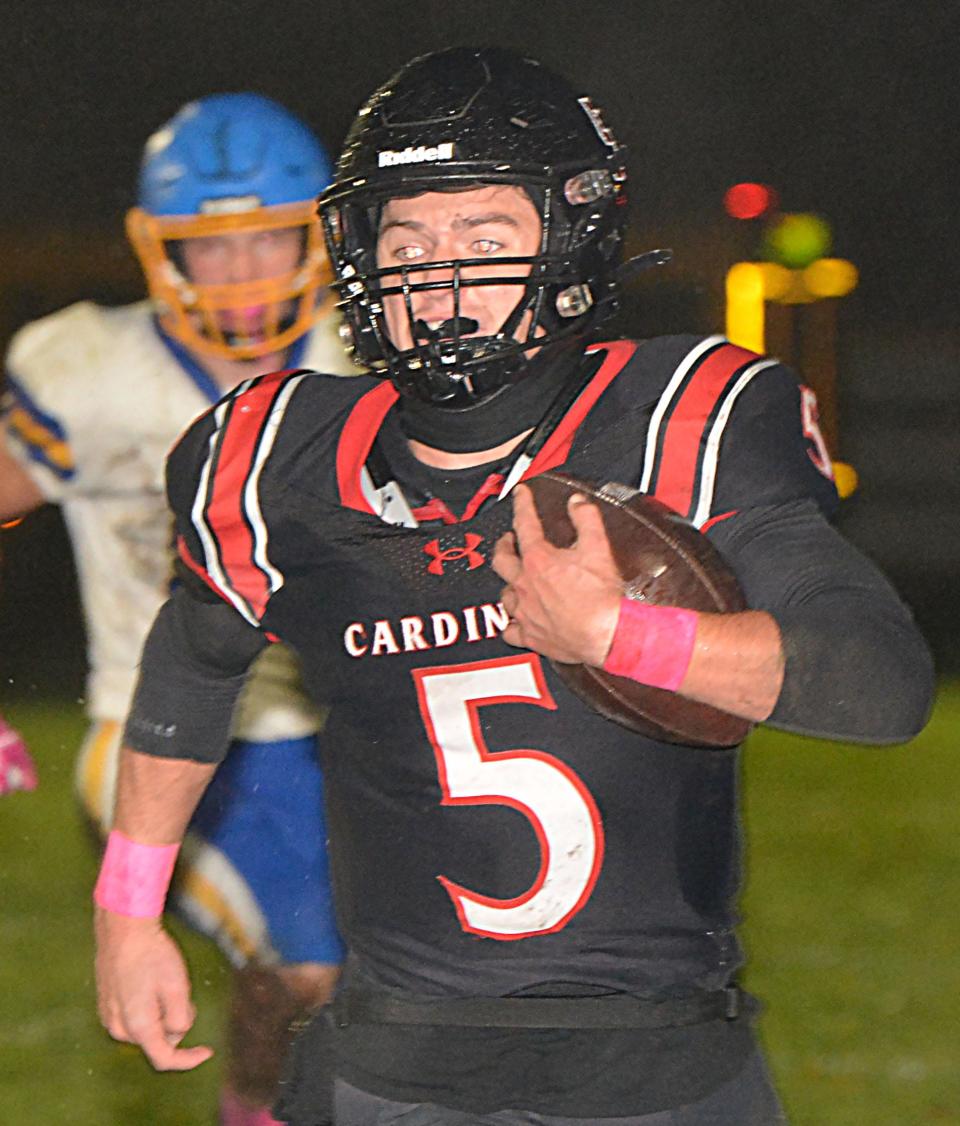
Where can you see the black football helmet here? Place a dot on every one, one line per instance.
(455, 120)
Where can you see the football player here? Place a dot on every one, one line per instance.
(538, 903)
(226, 231)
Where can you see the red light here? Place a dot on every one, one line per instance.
(749, 201)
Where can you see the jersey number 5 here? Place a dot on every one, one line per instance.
(810, 414)
(560, 809)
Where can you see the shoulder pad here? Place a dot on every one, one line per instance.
(217, 475)
(56, 341)
(726, 431)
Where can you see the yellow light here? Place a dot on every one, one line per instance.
(830, 277)
(745, 296)
(777, 280)
(845, 478)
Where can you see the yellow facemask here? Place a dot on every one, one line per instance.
(193, 313)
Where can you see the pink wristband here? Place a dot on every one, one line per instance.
(652, 644)
(134, 877)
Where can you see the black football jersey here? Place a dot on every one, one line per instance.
(490, 834)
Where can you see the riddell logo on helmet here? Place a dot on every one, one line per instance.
(229, 204)
(419, 155)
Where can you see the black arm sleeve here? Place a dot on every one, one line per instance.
(856, 666)
(193, 667)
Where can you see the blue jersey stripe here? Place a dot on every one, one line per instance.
(22, 398)
(41, 434)
(204, 383)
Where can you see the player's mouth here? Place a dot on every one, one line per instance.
(252, 324)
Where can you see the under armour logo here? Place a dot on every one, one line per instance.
(469, 552)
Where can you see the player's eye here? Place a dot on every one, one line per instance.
(279, 243)
(208, 246)
(407, 253)
(484, 246)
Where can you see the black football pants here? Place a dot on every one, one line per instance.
(747, 1100)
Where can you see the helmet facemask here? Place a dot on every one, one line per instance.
(199, 315)
(563, 289)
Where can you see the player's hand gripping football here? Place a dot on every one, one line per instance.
(143, 991)
(562, 602)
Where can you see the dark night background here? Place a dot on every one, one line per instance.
(850, 111)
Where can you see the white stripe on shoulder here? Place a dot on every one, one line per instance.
(711, 456)
(251, 494)
(207, 541)
(666, 397)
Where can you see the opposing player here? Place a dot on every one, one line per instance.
(227, 235)
(538, 903)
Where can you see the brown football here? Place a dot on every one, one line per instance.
(665, 561)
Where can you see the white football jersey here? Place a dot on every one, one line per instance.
(98, 399)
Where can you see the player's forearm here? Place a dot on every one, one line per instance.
(736, 664)
(143, 992)
(19, 494)
(156, 797)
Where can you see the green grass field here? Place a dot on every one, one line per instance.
(851, 918)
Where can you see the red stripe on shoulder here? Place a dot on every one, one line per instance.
(676, 478)
(718, 518)
(225, 512)
(356, 438)
(557, 447)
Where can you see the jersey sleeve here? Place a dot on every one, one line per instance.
(764, 446)
(207, 635)
(191, 476)
(193, 667)
(51, 420)
(856, 666)
(226, 487)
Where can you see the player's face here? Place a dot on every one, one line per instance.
(492, 222)
(242, 256)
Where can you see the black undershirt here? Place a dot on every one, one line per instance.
(509, 411)
(456, 487)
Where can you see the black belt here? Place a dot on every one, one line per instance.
(354, 1005)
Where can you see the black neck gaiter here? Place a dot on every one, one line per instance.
(505, 414)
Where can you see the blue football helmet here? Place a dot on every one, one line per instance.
(226, 164)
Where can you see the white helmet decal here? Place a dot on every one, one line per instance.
(422, 154)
